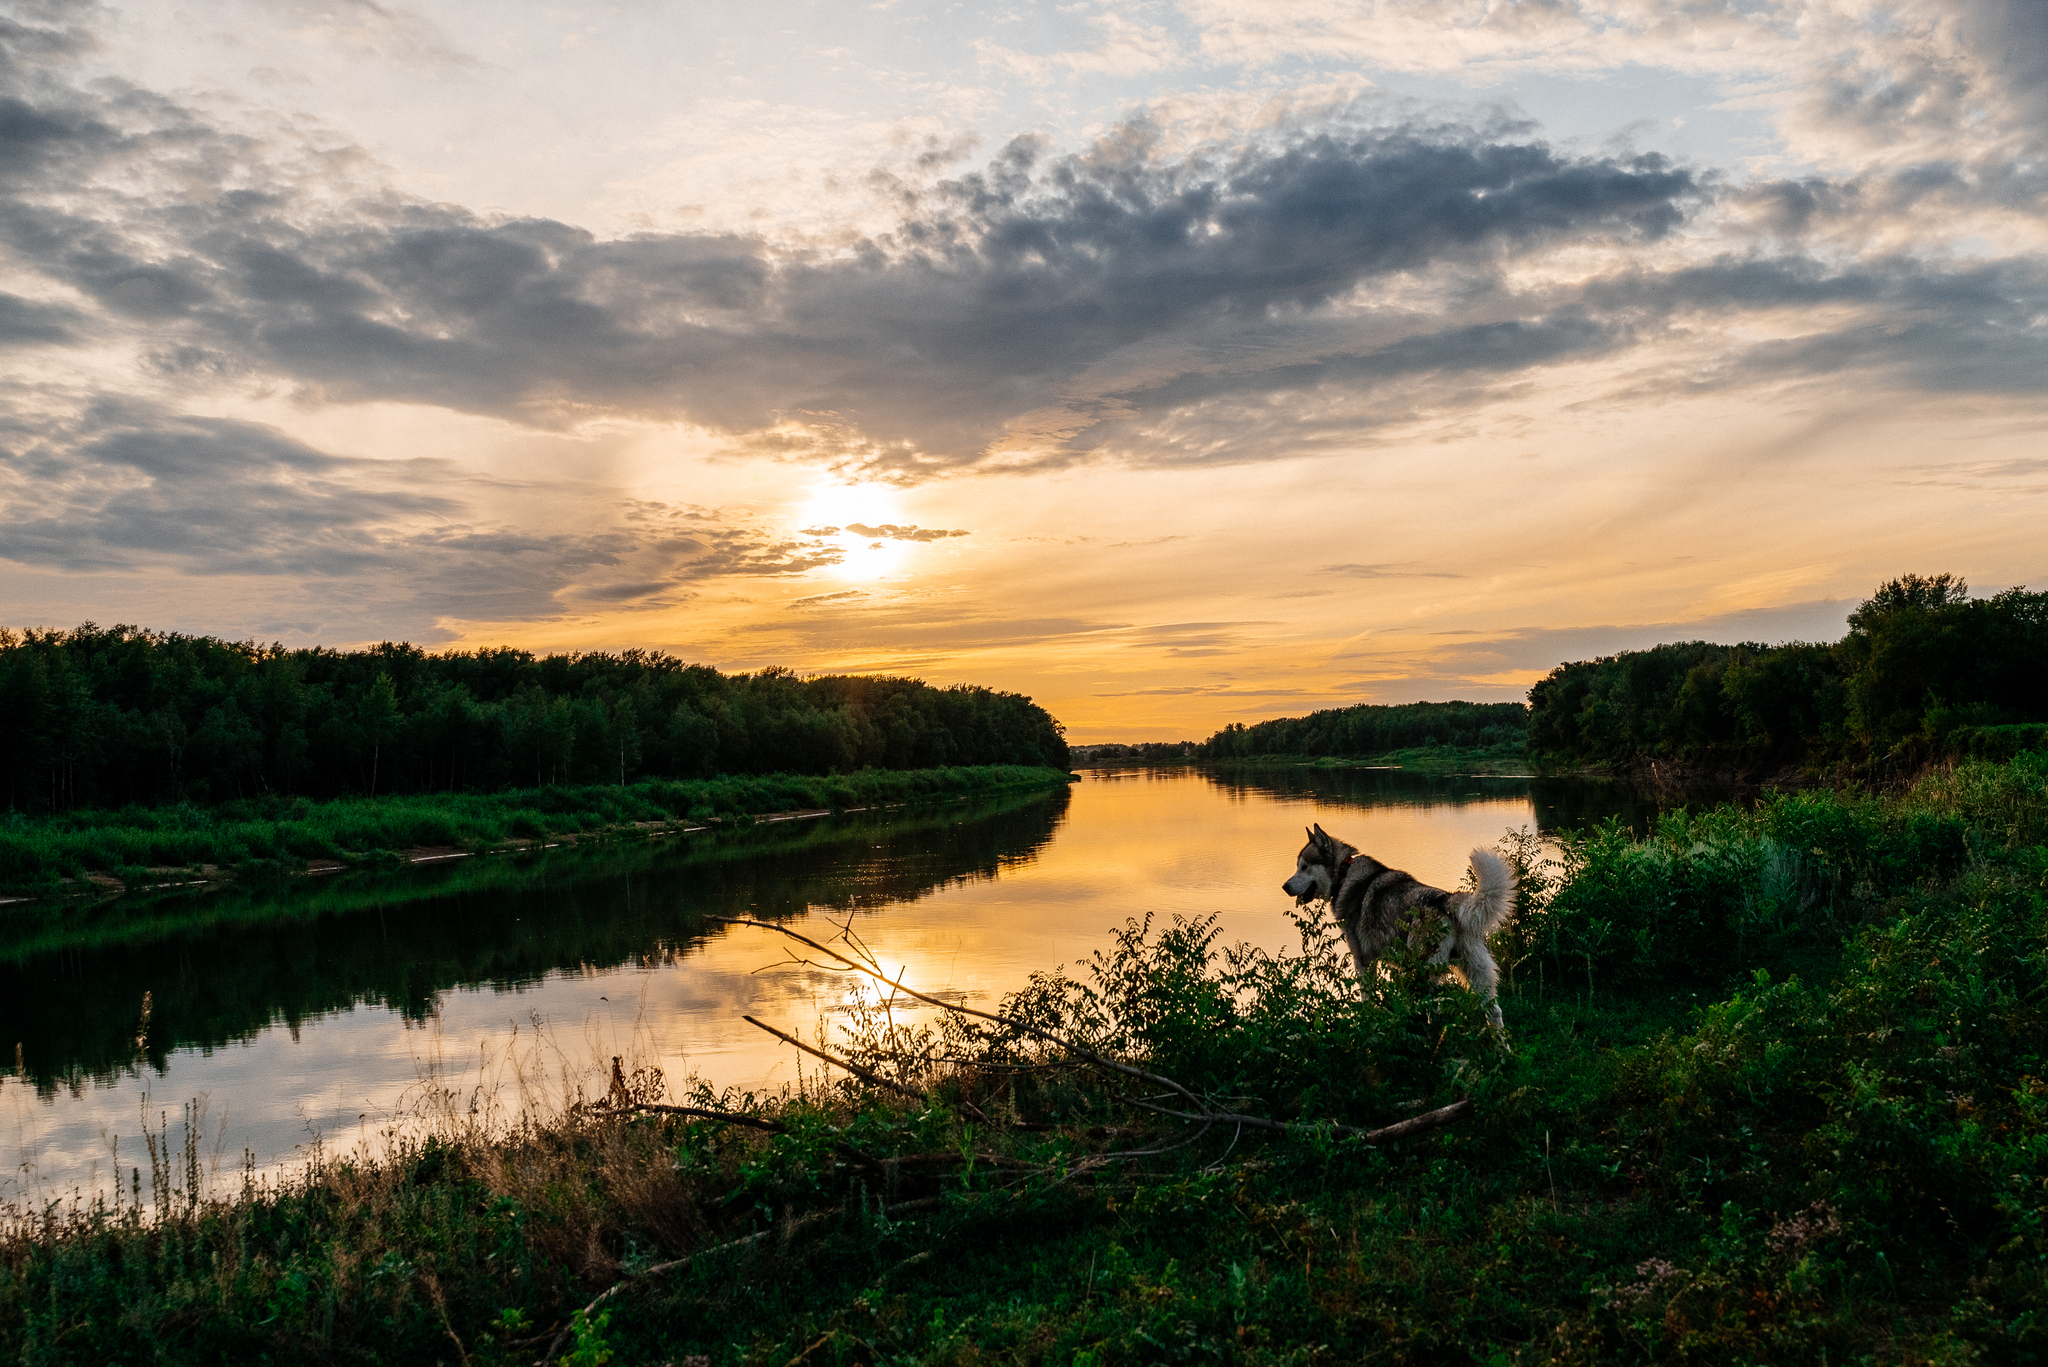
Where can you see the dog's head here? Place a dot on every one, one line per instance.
(1319, 867)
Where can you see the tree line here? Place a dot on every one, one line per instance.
(106, 717)
(1925, 669)
(1373, 729)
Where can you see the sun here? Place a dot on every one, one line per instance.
(843, 507)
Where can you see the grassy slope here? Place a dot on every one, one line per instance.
(1823, 1142)
(40, 852)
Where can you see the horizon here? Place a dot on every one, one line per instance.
(1174, 364)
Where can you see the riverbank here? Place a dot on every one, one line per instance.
(1774, 1094)
(149, 846)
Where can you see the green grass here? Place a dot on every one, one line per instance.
(1828, 1145)
(39, 853)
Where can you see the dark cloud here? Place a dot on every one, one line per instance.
(1117, 301)
(24, 322)
(119, 486)
(971, 322)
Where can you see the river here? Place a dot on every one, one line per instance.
(333, 1012)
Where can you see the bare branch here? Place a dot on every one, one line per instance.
(865, 1074)
(1008, 1022)
(1386, 1134)
(653, 1108)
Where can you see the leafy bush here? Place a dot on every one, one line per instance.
(1706, 895)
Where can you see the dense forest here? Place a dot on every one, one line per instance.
(101, 717)
(1924, 670)
(1372, 729)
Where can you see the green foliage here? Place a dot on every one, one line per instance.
(1924, 671)
(1719, 892)
(1371, 729)
(111, 717)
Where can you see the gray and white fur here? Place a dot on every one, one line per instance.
(1373, 904)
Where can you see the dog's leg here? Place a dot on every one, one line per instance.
(1361, 962)
(1484, 975)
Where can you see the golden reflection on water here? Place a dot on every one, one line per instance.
(1157, 842)
(1133, 843)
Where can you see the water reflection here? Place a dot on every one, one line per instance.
(1558, 804)
(309, 1011)
(222, 964)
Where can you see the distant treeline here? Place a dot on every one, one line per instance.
(1372, 729)
(1924, 670)
(117, 716)
(1139, 752)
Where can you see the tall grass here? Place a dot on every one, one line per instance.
(1713, 892)
(36, 852)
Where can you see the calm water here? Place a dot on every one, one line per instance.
(326, 1011)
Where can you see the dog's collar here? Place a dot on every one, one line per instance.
(1343, 867)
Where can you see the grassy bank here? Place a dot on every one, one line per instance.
(143, 844)
(1773, 1092)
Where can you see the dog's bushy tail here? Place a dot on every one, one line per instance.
(1486, 910)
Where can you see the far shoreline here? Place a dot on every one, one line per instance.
(78, 854)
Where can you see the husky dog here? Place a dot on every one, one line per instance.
(1373, 904)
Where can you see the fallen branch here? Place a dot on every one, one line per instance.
(1386, 1134)
(699, 1112)
(865, 1074)
(1008, 1022)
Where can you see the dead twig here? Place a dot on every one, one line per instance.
(1386, 1134)
(657, 1108)
(1008, 1022)
(865, 1074)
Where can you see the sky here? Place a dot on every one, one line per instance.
(1175, 363)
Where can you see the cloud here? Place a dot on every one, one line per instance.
(1038, 311)
(889, 531)
(1386, 572)
(821, 600)
(119, 486)
(1331, 276)
(384, 32)
(1544, 649)
(25, 322)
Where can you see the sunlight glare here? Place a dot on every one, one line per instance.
(843, 506)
